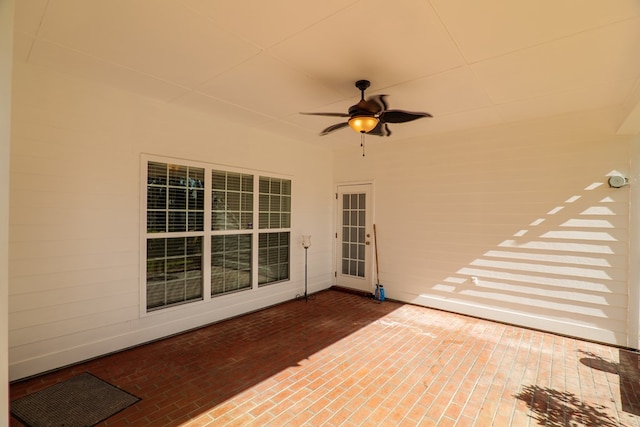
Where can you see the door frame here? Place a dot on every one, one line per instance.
(370, 259)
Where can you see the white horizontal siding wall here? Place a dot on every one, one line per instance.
(634, 244)
(526, 212)
(6, 55)
(74, 253)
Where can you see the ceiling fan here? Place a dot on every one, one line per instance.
(370, 115)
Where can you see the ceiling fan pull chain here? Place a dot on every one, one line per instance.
(362, 143)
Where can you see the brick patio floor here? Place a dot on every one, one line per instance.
(341, 359)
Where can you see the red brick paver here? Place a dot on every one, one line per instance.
(344, 360)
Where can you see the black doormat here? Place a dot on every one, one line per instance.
(81, 401)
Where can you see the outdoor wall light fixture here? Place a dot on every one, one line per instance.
(617, 181)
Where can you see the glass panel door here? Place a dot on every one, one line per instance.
(354, 239)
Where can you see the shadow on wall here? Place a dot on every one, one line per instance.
(568, 263)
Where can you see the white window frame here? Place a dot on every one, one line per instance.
(207, 233)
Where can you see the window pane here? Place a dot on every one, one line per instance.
(156, 197)
(233, 201)
(193, 266)
(274, 203)
(275, 186)
(174, 271)
(177, 198)
(177, 175)
(196, 178)
(173, 193)
(285, 221)
(273, 257)
(157, 173)
(217, 200)
(177, 221)
(286, 187)
(175, 247)
(247, 221)
(156, 222)
(196, 221)
(232, 194)
(264, 220)
(230, 263)
(196, 199)
(265, 185)
(274, 220)
(194, 288)
(286, 204)
(264, 202)
(247, 202)
(218, 180)
(233, 181)
(155, 248)
(232, 221)
(194, 245)
(247, 183)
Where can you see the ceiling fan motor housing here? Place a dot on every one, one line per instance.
(356, 110)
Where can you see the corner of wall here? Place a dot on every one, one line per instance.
(6, 55)
(634, 244)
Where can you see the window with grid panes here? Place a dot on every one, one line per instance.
(273, 245)
(176, 236)
(175, 213)
(231, 209)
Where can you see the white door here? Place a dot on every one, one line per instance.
(354, 237)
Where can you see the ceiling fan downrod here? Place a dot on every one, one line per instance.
(362, 85)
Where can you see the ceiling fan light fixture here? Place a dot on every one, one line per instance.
(363, 124)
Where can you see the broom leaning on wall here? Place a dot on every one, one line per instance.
(379, 295)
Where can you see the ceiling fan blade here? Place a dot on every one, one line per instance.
(327, 114)
(334, 127)
(379, 101)
(381, 129)
(400, 116)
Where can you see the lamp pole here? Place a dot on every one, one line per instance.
(306, 242)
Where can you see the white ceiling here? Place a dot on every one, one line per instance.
(469, 63)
